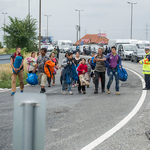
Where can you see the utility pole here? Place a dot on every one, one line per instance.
(79, 23)
(147, 31)
(47, 23)
(85, 31)
(39, 25)
(4, 13)
(77, 29)
(29, 7)
(131, 15)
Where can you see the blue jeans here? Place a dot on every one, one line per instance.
(64, 85)
(113, 72)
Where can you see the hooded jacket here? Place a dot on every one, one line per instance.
(49, 68)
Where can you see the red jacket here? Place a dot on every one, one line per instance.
(81, 68)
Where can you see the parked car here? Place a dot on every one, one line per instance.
(73, 49)
(137, 55)
(50, 47)
(126, 50)
(66, 48)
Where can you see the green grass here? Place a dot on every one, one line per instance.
(6, 80)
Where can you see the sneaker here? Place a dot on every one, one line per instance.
(53, 84)
(84, 92)
(49, 85)
(79, 91)
(73, 85)
(95, 92)
(87, 86)
(108, 91)
(70, 93)
(117, 93)
(42, 91)
(13, 93)
(21, 91)
(63, 92)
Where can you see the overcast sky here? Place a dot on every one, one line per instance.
(110, 16)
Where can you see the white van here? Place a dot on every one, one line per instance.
(126, 50)
(116, 42)
(64, 44)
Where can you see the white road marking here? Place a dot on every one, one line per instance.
(109, 133)
(5, 90)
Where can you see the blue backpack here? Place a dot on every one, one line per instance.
(122, 74)
(17, 63)
(32, 79)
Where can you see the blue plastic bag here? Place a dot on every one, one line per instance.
(32, 79)
(17, 63)
(122, 74)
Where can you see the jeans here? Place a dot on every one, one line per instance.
(102, 76)
(64, 85)
(113, 72)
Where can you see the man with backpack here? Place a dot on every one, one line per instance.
(146, 68)
(40, 65)
(67, 73)
(113, 60)
(17, 71)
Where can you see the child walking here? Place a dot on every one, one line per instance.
(82, 69)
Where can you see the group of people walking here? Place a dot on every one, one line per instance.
(74, 71)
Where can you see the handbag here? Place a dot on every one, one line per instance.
(83, 81)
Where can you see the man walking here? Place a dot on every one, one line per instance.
(113, 59)
(17, 71)
(146, 68)
(40, 65)
(99, 70)
(55, 52)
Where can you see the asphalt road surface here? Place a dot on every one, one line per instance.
(74, 121)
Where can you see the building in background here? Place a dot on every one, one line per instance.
(100, 39)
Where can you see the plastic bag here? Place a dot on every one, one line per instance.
(32, 79)
(17, 63)
(122, 74)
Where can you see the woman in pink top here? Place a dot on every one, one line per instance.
(31, 61)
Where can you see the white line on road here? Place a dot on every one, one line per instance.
(5, 90)
(109, 133)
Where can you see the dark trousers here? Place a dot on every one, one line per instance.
(102, 76)
(49, 80)
(147, 80)
(80, 87)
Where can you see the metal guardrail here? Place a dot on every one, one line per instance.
(5, 58)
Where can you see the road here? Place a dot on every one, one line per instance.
(74, 121)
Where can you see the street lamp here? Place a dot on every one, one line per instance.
(131, 15)
(39, 25)
(4, 13)
(79, 23)
(29, 7)
(47, 23)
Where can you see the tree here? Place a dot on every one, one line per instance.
(21, 33)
